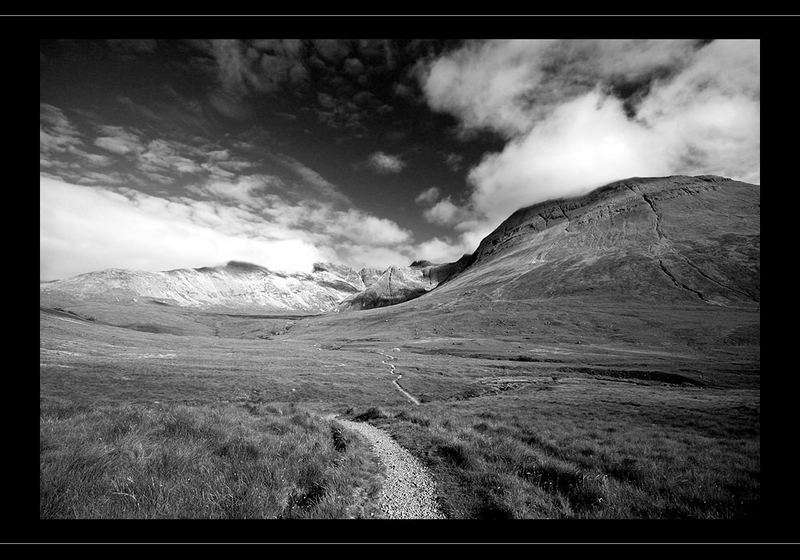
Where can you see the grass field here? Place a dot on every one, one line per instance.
(589, 449)
(173, 461)
(520, 417)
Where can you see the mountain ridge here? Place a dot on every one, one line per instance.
(641, 219)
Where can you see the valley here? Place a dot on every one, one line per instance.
(596, 357)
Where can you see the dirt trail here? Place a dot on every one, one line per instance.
(408, 492)
(405, 393)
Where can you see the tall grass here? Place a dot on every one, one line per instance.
(544, 456)
(259, 461)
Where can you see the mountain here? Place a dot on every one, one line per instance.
(402, 283)
(675, 240)
(234, 285)
(664, 267)
(679, 238)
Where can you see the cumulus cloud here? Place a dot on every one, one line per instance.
(383, 163)
(506, 85)
(439, 250)
(445, 213)
(579, 114)
(585, 143)
(90, 228)
(367, 230)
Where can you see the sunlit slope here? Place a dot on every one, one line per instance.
(683, 239)
(670, 263)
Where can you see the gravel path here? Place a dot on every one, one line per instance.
(396, 383)
(408, 490)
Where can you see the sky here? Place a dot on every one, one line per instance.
(164, 154)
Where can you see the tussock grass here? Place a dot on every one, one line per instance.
(371, 413)
(578, 452)
(266, 461)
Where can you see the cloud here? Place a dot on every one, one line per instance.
(245, 190)
(138, 108)
(353, 66)
(317, 182)
(445, 213)
(92, 159)
(454, 161)
(235, 164)
(243, 67)
(579, 114)
(367, 230)
(402, 90)
(583, 144)
(342, 112)
(383, 163)
(427, 196)
(119, 140)
(332, 50)
(326, 100)
(56, 132)
(506, 85)
(61, 144)
(161, 156)
(93, 177)
(91, 228)
(440, 250)
(230, 105)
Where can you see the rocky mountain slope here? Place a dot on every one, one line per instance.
(402, 283)
(673, 238)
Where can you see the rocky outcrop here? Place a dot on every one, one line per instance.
(398, 284)
(370, 275)
(338, 275)
(395, 285)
